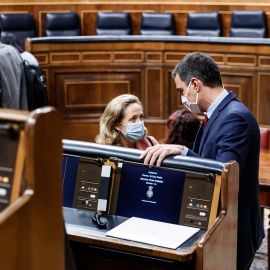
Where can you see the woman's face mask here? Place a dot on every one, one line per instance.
(135, 132)
(193, 107)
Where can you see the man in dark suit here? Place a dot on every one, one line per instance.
(231, 133)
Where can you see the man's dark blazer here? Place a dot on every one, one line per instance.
(232, 133)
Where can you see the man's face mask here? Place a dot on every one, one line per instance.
(135, 132)
(193, 107)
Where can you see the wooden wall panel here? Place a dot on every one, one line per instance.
(42, 58)
(128, 56)
(81, 87)
(241, 60)
(263, 93)
(85, 95)
(88, 22)
(242, 84)
(158, 130)
(87, 132)
(93, 93)
(174, 96)
(225, 22)
(97, 57)
(61, 58)
(154, 93)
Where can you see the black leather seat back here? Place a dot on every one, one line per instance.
(22, 25)
(62, 24)
(113, 23)
(157, 24)
(248, 23)
(203, 24)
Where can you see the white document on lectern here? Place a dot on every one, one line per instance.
(153, 232)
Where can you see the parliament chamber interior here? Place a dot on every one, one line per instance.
(62, 195)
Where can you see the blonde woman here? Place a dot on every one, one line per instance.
(122, 124)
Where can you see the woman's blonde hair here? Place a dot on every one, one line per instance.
(113, 114)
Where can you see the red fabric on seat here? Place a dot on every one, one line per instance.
(264, 138)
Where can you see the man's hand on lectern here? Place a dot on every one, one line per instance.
(159, 152)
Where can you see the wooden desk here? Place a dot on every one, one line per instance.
(264, 178)
(214, 249)
(86, 238)
(264, 181)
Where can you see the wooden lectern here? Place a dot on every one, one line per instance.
(215, 246)
(31, 221)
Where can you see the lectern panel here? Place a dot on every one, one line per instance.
(151, 193)
(9, 141)
(87, 185)
(162, 194)
(81, 182)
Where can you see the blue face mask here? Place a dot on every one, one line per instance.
(135, 132)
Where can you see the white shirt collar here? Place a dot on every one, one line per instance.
(216, 102)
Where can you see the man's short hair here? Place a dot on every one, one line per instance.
(201, 66)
